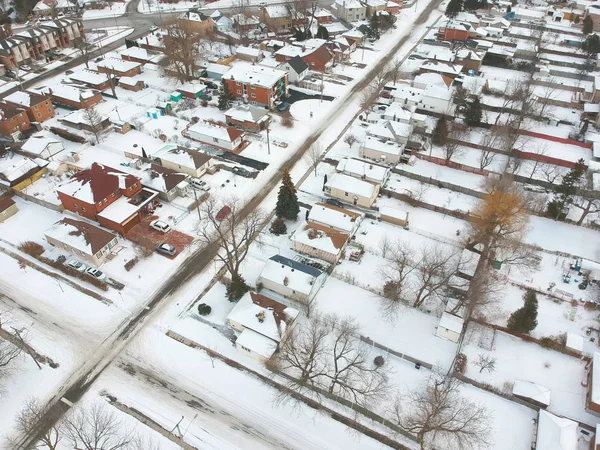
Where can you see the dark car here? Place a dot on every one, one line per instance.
(223, 213)
(211, 85)
(283, 106)
(165, 249)
(334, 202)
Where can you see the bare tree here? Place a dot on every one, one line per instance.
(396, 273)
(550, 172)
(485, 363)
(452, 148)
(307, 304)
(94, 427)
(313, 156)
(368, 98)
(302, 14)
(230, 232)
(28, 423)
(95, 122)
(350, 139)
(540, 151)
(491, 142)
(441, 418)
(434, 269)
(182, 47)
(8, 352)
(240, 14)
(587, 199)
(546, 95)
(393, 69)
(85, 48)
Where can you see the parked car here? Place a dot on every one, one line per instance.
(153, 28)
(68, 72)
(223, 213)
(161, 226)
(211, 85)
(77, 265)
(98, 59)
(95, 273)
(334, 202)
(165, 249)
(198, 184)
(25, 67)
(283, 106)
(205, 188)
(385, 94)
(10, 75)
(205, 96)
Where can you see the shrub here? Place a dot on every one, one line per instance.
(278, 226)
(378, 361)
(67, 135)
(350, 139)
(461, 363)
(132, 262)
(31, 248)
(287, 121)
(204, 309)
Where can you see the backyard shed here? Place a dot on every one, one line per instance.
(449, 327)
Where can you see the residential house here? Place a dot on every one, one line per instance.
(41, 40)
(297, 69)
(77, 119)
(399, 112)
(42, 147)
(279, 18)
(351, 190)
(291, 279)
(216, 71)
(216, 135)
(13, 120)
(134, 84)
(73, 97)
(257, 85)
(322, 16)
(556, 433)
(331, 217)
(167, 182)
(249, 54)
(68, 29)
(320, 59)
(8, 208)
(39, 107)
(93, 79)
(197, 21)
(355, 34)
(575, 343)
(248, 117)
(437, 99)
(191, 162)
(244, 24)
(470, 60)
(14, 52)
(119, 67)
(88, 242)
(389, 130)
(115, 199)
(446, 69)
(320, 242)
(136, 54)
(350, 10)
(49, 7)
(335, 29)
(381, 150)
(592, 399)
(192, 90)
(532, 393)
(374, 6)
(371, 172)
(15, 168)
(393, 215)
(454, 31)
(425, 79)
(262, 323)
(342, 48)
(394, 7)
(223, 23)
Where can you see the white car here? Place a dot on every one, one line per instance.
(77, 265)
(153, 28)
(161, 226)
(95, 273)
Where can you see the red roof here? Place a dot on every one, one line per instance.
(103, 180)
(5, 203)
(234, 133)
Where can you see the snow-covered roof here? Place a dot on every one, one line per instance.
(131, 81)
(351, 185)
(556, 433)
(406, 92)
(217, 68)
(436, 66)
(389, 147)
(79, 117)
(223, 133)
(393, 212)
(119, 65)
(441, 93)
(37, 144)
(348, 4)
(89, 77)
(389, 129)
(135, 52)
(354, 33)
(292, 274)
(596, 378)
(321, 237)
(162, 179)
(596, 181)
(338, 218)
(16, 166)
(451, 322)
(430, 79)
(256, 342)
(398, 112)
(320, 12)
(535, 392)
(360, 169)
(277, 11)
(574, 341)
(70, 92)
(336, 28)
(247, 113)
(468, 262)
(248, 51)
(257, 75)
(263, 315)
(184, 157)
(25, 98)
(80, 235)
(123, 208)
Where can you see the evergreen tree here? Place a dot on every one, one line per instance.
(588, 25)
(374, 27)
(287, 199)
(440, 134)
(524, 319)
(474, 112)
(471, 5)
(591, 45)
(322, 33)
(236, 288)
(566, 190)
(460, 100)
(278, 226)
(453, 8)
(226, 98)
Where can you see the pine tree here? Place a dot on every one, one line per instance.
(322, 33)
(588, 25)
(440, 134)
(453, 8)
(236, 288)
(460, 100)
(566, 190)
(374, 27)
(473, 113)
(591, 45)
(471, 5)
(225, 98)
(524, 319)
(287, 199)
(278, 226)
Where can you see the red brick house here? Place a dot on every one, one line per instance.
(13, 120)
(119, 67)
(39, 107)
(454, 31)
(248, 117)
(322, 16)
(320, 59)
(74, 97)
(113, 198)
(93, 79)
(394, 7)
(259, 85)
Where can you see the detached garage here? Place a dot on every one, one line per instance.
(450, 327)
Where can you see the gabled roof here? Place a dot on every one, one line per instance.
(221, 132)
(182, 156)
(119, 65)
(339, 218)
(5, 203)
(309, 270)
(292, 274)
(321, 54)
(37, 144)
(80, 235)
(321, 237)
(362, 169)
(277, 11)
(194, 15)
(351, 185)
(298, 64)
(7, 111)
(163, 179)
(257, 75)
(556, 433)
(247, 113)
(527, 389)
(96, 183)
(25, 98)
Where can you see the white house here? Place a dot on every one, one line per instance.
(297, 69)
(351, 190)
(362, 170)
(320, 242)
(388, 130)
(262, 324)
(291, 279)
(192, 162)
(223, 137)
(385, 152)
(329, 216)
(43, 147)
(437, 99)
(533, 393)
(350, 10)
(449, 327)
(556, 433)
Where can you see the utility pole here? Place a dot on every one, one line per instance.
(26, 347)
(197, 205)
(268, 141)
